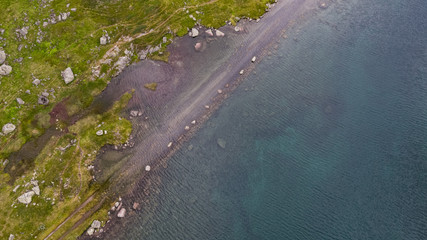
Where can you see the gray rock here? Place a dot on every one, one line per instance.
(121, 63)
(122, 213)
(165, 39)
(5, 70)
(96, 224)
(221, 142)
(8, 128)
(45, 24)
(68, 75)
(2, 56)
(26, 197)
(1, 31)
(90, 231)
(43, 100)
(20, 101)
(209, 32)
(103, 40)
(11, 237)
(99, 132)
(36, 82)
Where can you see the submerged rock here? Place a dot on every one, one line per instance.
(147, 168)
(198, 46)
(5, 70)
(26, 197)
(221, 142)
(68, 75)
(8, 128)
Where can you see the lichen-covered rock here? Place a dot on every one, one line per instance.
(96, 224)
(20, 101)
(8, 128)
(2, 56)
(5, 70)
(68, 75)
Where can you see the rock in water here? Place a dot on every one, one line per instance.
(68, 75)
(8, 128)
(209, 32)
(121, 213)
(26, 197)
(5, 70)
(219, 33)
(147, 168)
(221, 142)
(254, 59)
(2, 56)
(198, 46)
(135, 206)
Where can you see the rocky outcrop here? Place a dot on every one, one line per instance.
(5, 70)
(26, 197)
(67, 75)
(8, 128)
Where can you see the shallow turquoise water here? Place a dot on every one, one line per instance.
(327, 139)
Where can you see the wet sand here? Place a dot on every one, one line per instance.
(186, 85)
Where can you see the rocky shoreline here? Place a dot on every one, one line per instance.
(178, 108)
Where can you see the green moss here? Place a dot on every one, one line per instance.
(151, 86)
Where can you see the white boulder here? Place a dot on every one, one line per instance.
(68, 75)
(26, 197)
(20, 101)
(8, 128)
(194, 32)
(90, 231)
(147, 168)
(254, 59)
(96, 224)
(122, 213)
(219, 33)
(100, 132)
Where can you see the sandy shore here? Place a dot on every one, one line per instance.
(186, 85)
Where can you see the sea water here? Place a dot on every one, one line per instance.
(325, 139)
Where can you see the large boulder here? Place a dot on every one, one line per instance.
(5, 70)
(8, 128)
(2, 56)
(68, 75)
(26, 197)
(194, 32)
(122, 213)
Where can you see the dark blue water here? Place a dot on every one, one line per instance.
(326, 140)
